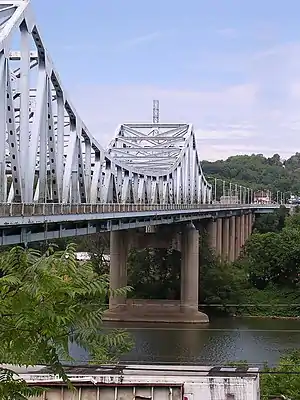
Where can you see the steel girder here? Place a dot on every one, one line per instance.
(47, 154)
(165, 162)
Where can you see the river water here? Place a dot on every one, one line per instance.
(223, 340)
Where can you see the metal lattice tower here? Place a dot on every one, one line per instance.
(48, 155)
(155, 115)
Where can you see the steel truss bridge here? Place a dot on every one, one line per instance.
(52, 170)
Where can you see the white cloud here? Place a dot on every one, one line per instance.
(140, 40)
(261, 116)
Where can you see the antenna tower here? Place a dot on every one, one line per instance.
(155, 115)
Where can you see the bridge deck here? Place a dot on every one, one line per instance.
(45, 209)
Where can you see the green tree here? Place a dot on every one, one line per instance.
(221, 282)
(274, 258)
(271, 222)
(283, 379)
(48, 300)
(258, 172)
(155, 273)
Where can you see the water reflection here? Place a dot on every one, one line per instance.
(220, 342)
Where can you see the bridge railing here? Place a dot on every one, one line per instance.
(36, 209)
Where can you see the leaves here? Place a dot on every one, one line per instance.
(257, 172)
(284, 379)
(48, 299)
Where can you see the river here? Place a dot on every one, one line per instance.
(223, 340)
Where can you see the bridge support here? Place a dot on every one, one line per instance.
(232, 239)
(250, 223)
(219, 237)
(225, 239)
(246, 228)
(189, 269)
(242, 232)
(134, 310)
(212, 234)
(237, 236)
(118, 266)
(190, 274)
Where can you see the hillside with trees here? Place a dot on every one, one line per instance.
(258, 172)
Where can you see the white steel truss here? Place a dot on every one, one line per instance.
(47, 153)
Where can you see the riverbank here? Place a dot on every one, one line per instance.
(268, 317)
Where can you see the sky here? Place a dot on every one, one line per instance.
(229, 67)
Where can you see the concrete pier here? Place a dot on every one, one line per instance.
(118, 266)
(232, 239)
(225, 239)
(184, 311)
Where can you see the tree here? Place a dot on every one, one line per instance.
(271, 222)
(48, 300)
(283, 379)
(257, 172)
(274, 258)
(155, 273)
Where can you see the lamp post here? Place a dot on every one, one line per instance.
(215, 190)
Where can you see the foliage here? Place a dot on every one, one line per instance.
(273, 300)
(283, 379)
(271, 222)
(274, 257)
(48, 300)
(258, 172)
(15, 389)
(155, 273)
(221, 283)
(95, 245)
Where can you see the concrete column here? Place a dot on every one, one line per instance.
(118, 270)
(189, 269)
(250, 221)
(237, 236)
(212, 234)
(246, 227)
(225, 239)
(232, 245)
(219, 237)
(242, 231)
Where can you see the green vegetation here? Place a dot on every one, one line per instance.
(48, 300)
(258, 172)
(282, 380)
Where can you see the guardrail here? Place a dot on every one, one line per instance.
(36, 209)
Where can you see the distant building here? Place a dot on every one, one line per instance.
(229, 200)
(262, 197)
(85, 256)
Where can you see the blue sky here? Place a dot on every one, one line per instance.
(230, 67)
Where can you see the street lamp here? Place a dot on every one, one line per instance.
(215, 190)
(277, 196)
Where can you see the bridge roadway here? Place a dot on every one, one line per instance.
(24, 223)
